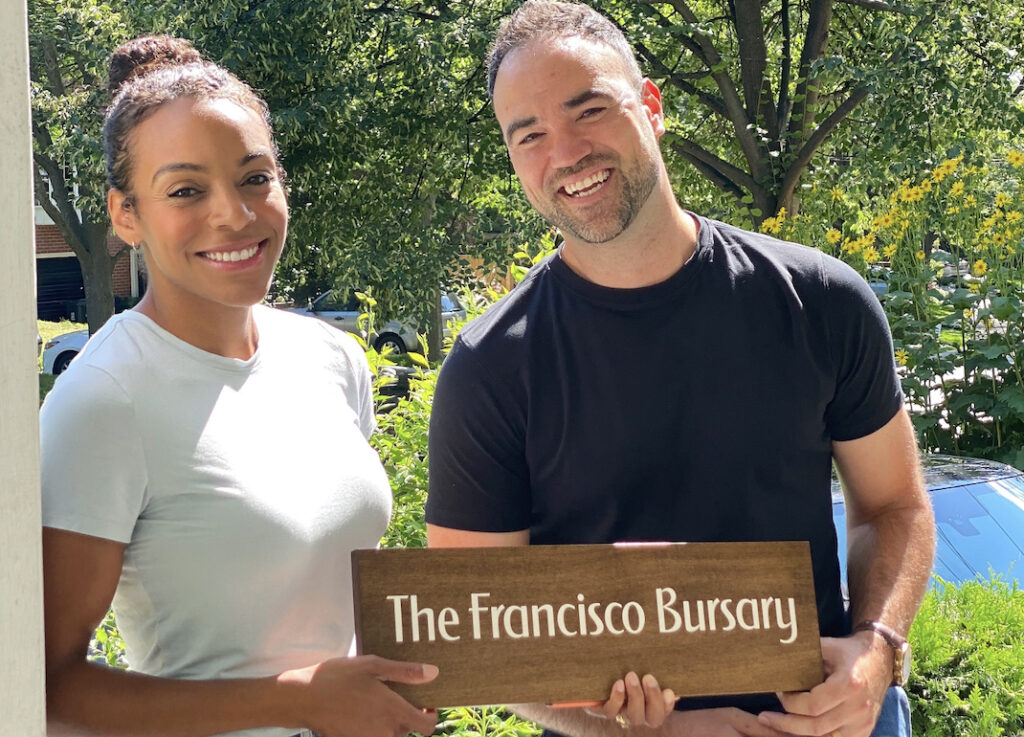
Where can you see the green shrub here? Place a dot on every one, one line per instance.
(949, 244)
(968, 677)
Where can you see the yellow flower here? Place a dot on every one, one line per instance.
(979, 267)
(1013, 216)
(919, 255)
(952, 210)
(901, 357)
(957, 189)
(1016, 159)
(870, 256)
(974, 287)
(771, 225)
(852, 246)
(889, 251)
(833, 236)
(837, 194)
(781, 216)
(1002, 199)
(970, 200)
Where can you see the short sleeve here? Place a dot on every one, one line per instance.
(358, 378)
(868, 392)
(93, 469)
(478, 475)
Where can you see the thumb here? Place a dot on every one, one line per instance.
(402, 672)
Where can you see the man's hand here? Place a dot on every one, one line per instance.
(858, 672)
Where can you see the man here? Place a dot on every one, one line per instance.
(667, 377)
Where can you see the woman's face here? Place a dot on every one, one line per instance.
(209, 208)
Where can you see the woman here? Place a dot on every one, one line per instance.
(205, 463)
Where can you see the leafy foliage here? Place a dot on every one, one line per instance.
(968, 674)
(949, 244)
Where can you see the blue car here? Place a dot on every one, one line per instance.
(979, 518)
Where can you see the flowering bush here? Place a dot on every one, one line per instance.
(946, 250)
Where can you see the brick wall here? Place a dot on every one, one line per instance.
(49, 240)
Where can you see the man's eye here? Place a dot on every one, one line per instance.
(591, 111)
(529, 138)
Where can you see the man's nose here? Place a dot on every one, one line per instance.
(569, 148)
(229, 209)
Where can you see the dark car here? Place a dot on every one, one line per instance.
(979, 518)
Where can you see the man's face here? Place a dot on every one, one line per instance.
(581, 137)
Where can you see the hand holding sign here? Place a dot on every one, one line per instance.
(705, 618)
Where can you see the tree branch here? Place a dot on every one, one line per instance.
(876, 5)
(736, 112)
(659, 69)
(822, 132)
(694, 152)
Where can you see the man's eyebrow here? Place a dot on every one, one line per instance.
(516, 125)
(583, 97)
(186, 166)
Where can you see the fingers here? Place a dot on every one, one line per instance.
(616, 699)
(636, 707)
(398, 671)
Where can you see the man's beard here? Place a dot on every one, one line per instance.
(636, 186)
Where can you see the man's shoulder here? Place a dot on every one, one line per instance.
(759, 251)
(505, 322)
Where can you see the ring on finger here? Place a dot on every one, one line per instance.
(622, 721)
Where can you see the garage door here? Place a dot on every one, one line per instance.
(59, 287)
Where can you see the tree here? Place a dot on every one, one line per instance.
(766, 84)
(380, 109)
(69, 44)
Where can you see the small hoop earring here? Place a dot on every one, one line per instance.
(135, 247)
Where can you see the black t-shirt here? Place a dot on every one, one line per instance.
(699, 409)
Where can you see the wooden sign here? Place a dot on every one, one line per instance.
(546, 623)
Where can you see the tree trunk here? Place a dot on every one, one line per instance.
(435, 329)
(98, 276)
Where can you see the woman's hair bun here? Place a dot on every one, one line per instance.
(142, 55)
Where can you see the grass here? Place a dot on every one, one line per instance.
(48, 330)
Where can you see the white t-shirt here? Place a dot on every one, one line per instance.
(239, 487)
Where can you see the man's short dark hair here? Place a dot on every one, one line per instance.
(536, 19)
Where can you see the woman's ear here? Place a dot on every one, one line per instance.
(122, 216)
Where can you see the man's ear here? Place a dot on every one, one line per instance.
(122, 216)
(650, 96)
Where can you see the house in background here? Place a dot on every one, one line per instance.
(60, 292)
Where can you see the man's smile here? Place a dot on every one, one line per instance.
(587, 185)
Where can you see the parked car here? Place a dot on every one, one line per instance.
(342, 311)
(59, 352)
(979, 518)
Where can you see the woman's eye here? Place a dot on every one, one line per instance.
(258, 179)
(183, 192)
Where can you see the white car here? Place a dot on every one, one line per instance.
(398, 336)
(58, 352)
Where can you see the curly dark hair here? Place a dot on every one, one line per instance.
(150, 71)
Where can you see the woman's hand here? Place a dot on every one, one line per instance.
(348, 697)
(637, 702)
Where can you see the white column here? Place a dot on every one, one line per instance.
(22, 703)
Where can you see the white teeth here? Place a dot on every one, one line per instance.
(576, 187)
(244, 255)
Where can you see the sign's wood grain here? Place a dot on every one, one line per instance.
(562, 623)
